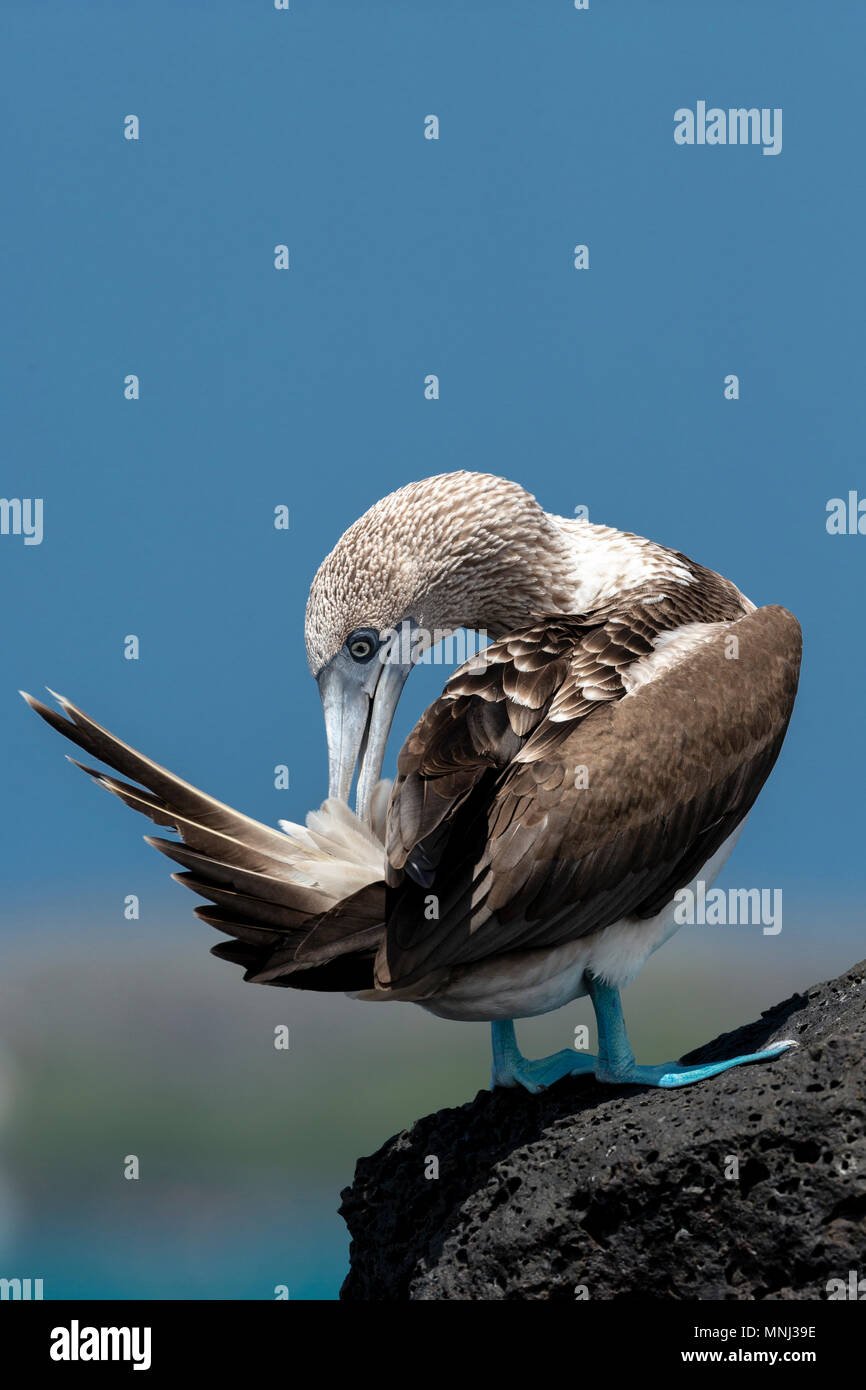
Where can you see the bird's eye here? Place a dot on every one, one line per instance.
(362, 644)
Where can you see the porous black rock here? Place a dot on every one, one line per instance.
(625, 1192)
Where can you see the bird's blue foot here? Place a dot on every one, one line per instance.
(669, 1074)
(615, 1063)
(511, 1068)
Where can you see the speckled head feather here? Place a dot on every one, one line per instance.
(459, 549)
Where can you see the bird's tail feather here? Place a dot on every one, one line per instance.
(304, 904)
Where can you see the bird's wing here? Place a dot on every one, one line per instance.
(524, 692)
(304, 906)
(544, 796)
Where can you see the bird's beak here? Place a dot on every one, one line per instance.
(359, 703)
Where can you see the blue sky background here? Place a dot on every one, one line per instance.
(306, 388)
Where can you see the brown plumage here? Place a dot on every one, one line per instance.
(532, 855)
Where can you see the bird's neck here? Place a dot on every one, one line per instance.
(555, 565)
(606, 562)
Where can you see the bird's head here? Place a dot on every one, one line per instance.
(457, 550)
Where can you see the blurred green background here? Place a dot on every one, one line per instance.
(127, 1038)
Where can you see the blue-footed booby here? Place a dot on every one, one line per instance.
(599, 756)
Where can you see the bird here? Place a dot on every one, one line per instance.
(598, 756)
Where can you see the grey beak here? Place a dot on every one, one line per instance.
(359, 703)
(346, 705)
